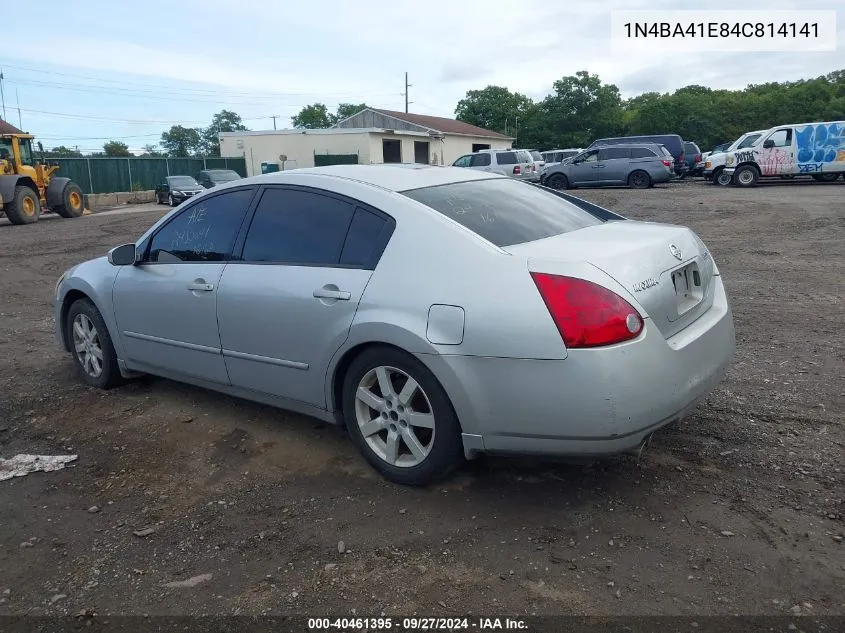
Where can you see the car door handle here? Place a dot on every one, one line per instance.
(327, 293)
(200, 287)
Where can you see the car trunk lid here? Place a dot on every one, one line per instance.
(667, 269)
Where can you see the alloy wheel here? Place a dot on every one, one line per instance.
(86, 343)
(395, 416)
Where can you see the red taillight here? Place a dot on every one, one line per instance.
(698, 158)
(534, 167)
(668, 163)
(586, 314)
(517, 170)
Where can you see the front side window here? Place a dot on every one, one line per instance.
(781, 138)
(204, 232)
(293, 226)
(588, 157)
(505, 211)
(26, 151)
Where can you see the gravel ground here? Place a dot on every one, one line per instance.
(184, 501)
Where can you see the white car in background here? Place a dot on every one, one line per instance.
(714, 165)
(514, 163)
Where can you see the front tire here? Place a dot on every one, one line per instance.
(639, 180)
(557, 181)
(170, 200)
(73, 202)
(400, 418)
(91, 346)
(746, 176)
(721, 179)
(25, 207)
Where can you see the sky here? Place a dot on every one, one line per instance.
(98, 70)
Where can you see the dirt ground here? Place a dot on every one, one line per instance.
(736, 510)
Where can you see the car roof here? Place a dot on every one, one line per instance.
(180, 176)
(394, 177)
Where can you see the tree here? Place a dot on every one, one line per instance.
(315, 116)
(114, 149)
(494, 108)
(346, 110)
(582, 109)
(223, 121)
(151, 151)
(180, 142)
(62, 152)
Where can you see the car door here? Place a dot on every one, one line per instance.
(612, 166)
(582, 170)
(166, 306)
(162, 190)
(481, 161)
(777, 156)
(286, 306)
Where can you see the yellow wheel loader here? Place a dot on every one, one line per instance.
(28, 187)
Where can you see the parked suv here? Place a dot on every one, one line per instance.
(538, 163)
(638, 166)
(672, 142)
(209, 178)
(516, 163)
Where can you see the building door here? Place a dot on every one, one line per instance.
(477, 147)
(421, 152)
(392, 151)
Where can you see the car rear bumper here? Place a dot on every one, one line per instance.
(596, 401)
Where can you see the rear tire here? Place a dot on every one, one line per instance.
(91, 346)
(400, 418)
(829, 177)
(639, 179)
(73, 202)
(557, 181)
(25, 207)
(746, 176)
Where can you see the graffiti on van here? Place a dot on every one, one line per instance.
(819, 145)
(742, 157)
(776, 160)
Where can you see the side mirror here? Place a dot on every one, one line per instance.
(123, 255)
(768, 144)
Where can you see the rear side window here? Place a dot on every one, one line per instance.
(644, 152)
(506, 158)
(364, 240)
(505, 211)
(480, 160)
(292, 226)
(612, 153)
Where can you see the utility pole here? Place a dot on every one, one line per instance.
(274, 117)
(2, 96)
(20, 122)
(405, 94)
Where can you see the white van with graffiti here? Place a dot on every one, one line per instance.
(714, 166)
(804, 149)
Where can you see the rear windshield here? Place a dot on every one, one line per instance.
(504, 211)
(536, 155)
(224, 176)
(182, 181)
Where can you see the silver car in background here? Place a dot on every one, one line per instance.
(438, 313)
(638, 166)
(513, 163)
(538, 163)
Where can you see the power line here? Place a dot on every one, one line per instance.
(84, 117)
(138, 86)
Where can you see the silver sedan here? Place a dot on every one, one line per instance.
(437, 312)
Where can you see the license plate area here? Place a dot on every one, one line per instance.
(689, 290)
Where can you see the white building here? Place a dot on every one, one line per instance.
(369, 137)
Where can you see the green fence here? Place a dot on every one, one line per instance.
(321, 160)
(109, 175)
